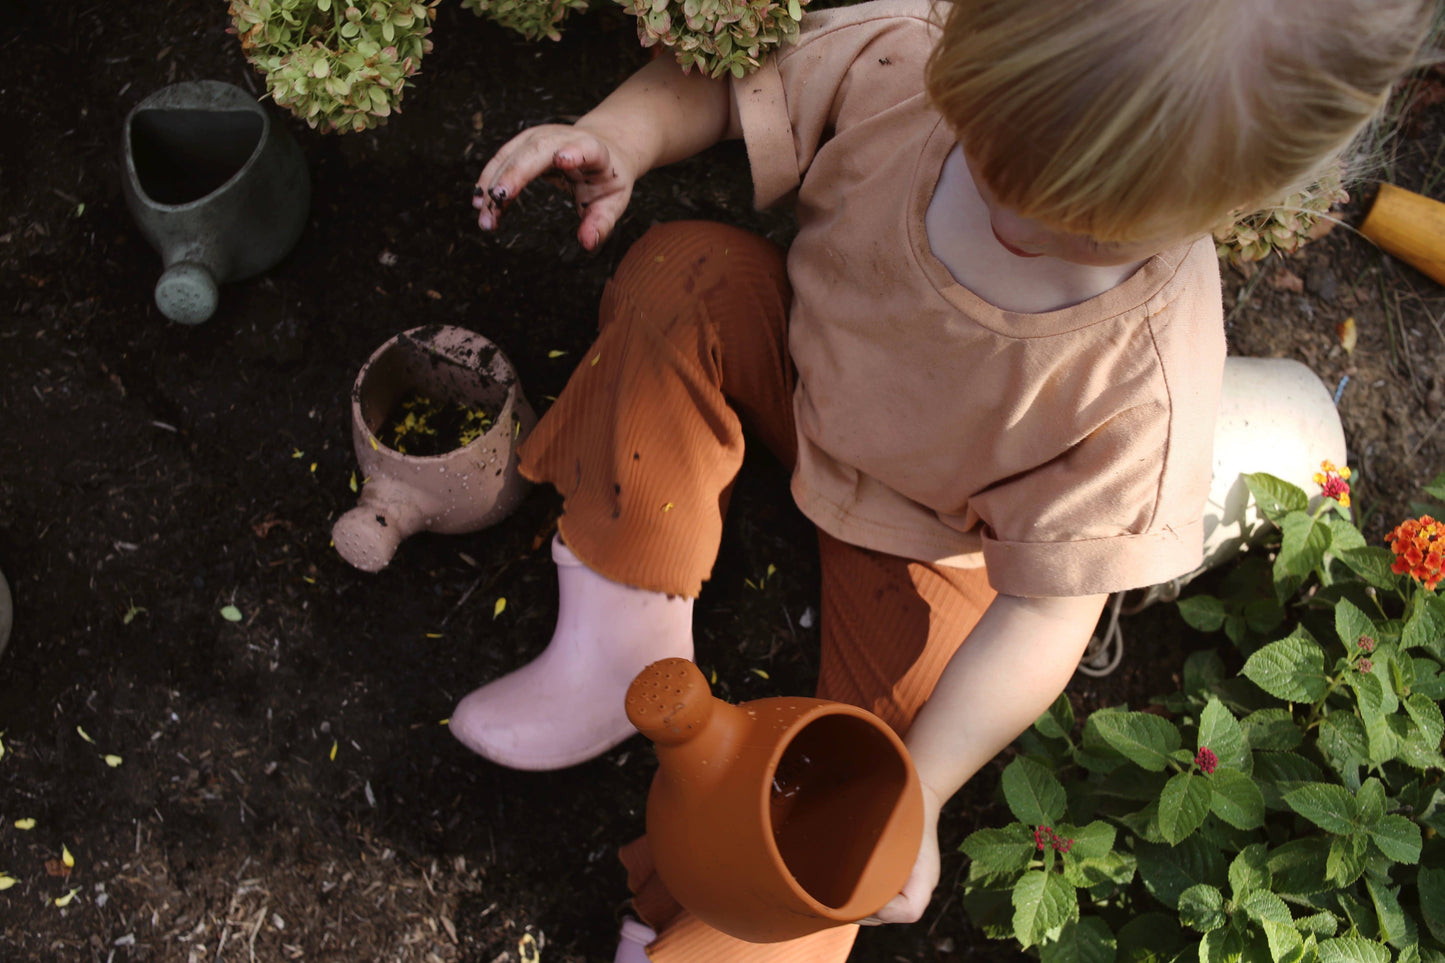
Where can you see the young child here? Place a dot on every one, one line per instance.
(992, 355)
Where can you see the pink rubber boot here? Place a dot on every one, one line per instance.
(632, 942)
(566, 706)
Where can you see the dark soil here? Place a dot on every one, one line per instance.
(284, 789)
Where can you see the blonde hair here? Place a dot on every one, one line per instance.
(1122, 119)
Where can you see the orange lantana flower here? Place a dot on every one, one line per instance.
(1419, 547)
(1334, 482)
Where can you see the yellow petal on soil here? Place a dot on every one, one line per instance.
(1348, 334)
(313, 467)
(499, 608)
(26, 823)
(433, 635)
(297, 453)
(554, 353)
(353, 481)
(2, 745)
(374, 445)
(333, 750)
(113, 761)
(713, 679)
(760, 673)
(527, 949)
(85, 735)
(7, 881)
(64, 901)
(445, 722)
(596, 358)
(65, 856)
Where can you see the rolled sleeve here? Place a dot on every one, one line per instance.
(1095, 566)
(768, 134)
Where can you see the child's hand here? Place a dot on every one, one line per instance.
(908, 905)
(584, 164)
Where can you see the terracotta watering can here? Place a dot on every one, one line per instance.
(461, 490)
(779, 817)
(1411, 227)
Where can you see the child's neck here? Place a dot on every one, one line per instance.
(960, 235)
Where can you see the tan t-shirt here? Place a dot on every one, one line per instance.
(1068, 451)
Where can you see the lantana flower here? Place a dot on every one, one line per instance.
(1206, 760)
(1419, 547)
(1334, 482)
(1045, 838)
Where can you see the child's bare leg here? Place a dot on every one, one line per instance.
(643, 444)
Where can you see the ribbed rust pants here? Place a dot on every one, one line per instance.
(644, 443)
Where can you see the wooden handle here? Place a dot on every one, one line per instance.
(1411, 227)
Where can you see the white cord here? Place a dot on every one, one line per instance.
(1104, 653)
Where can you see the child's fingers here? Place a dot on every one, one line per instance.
(519, 162)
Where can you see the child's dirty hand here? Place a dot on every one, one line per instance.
(909, 904)
(575, 159)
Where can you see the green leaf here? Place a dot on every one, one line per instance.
(1327, 805)
(1431, 883)
(1033, 793)
(1087, 941)
(1276, 773)
(1272, 728)
(1323, 923)
(1249, 870)
(1094, 841)
(1115, 868)
(1236, 799)
(1000, 852)
(1393, 928)
(1292, 669)
(1263, 905)
(1222, 946)
(1145, 739)
(1275, 497)
(1397, 837)
(1042, 902)
(1203, 670)
(1343, 741)
(1150, 938)
(1301, 551)
(1351, 624)
(1168, 871)
(1204, 613)
(1285, 943)
(1370, 801)
(1298, 866)
(1428, 681)
(1201, 908)
(1346, 861)
(1425, 628)
(1221, 732)
(1372, 564)
(1352, 949)
(1426, 715)
(1183, 805)
(1058, 721)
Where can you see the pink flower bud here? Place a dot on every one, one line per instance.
(1206, 760)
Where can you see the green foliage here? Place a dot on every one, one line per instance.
(338, 65)
(1288, 813)
(533, 19)
(718, 36)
